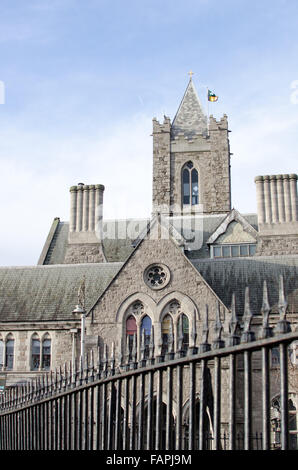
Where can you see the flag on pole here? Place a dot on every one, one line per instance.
(212, 96)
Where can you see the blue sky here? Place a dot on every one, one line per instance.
(83, 80)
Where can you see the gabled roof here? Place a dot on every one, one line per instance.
(227, 276)
(233, 216)
(49, 293)
(190, 119)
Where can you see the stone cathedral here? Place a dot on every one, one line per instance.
(157, 273)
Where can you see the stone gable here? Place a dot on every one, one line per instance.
(107, 318)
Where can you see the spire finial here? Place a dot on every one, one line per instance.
(190, 73)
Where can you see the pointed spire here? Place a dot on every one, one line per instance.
(190, 119)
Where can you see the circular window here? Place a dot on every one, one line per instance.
(157, 276)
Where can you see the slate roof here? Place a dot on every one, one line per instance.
(228, 275)
(190, 119)
(119, 236)
(49, 293)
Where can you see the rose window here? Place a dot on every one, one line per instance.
(157, 276)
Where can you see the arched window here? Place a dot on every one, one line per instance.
(183, 332)
(46, 353)
(9, 353)
(35, 353)
(1, 353)
(166, 333)
(190, 185)
(131, 330)
(146, 326)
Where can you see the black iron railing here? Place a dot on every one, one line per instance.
(180, 401)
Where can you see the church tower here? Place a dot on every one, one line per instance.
(191, 161)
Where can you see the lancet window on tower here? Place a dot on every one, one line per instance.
(190, 185)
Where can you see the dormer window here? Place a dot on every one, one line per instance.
(190, 185)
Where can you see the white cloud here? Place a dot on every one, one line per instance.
(263, 142)
(30, 196)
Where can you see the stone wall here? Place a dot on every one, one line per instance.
(185, 284)
(84, 253)
(277, 245)
(161, 188)
(61, 348)
(210, 156)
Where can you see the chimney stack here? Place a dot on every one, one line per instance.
(277, 214)
(85, 224)
(277, 199)
(86, 204)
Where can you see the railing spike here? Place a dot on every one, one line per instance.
(283, 326)
(234, 325)
(128, 352)
(205, 346)
(218, 342)
(170, 352)
(112, 370)
(247, 335)
(133, 363)
(265, 330)
(151, 346)
(142, 362)
(193, 348)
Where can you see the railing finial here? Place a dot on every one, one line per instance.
(283, 326)
(218, 342)
(205, 346)
(234, 326)
(247, 335)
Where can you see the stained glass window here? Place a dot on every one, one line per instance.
(166, 332)
(146, 327)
